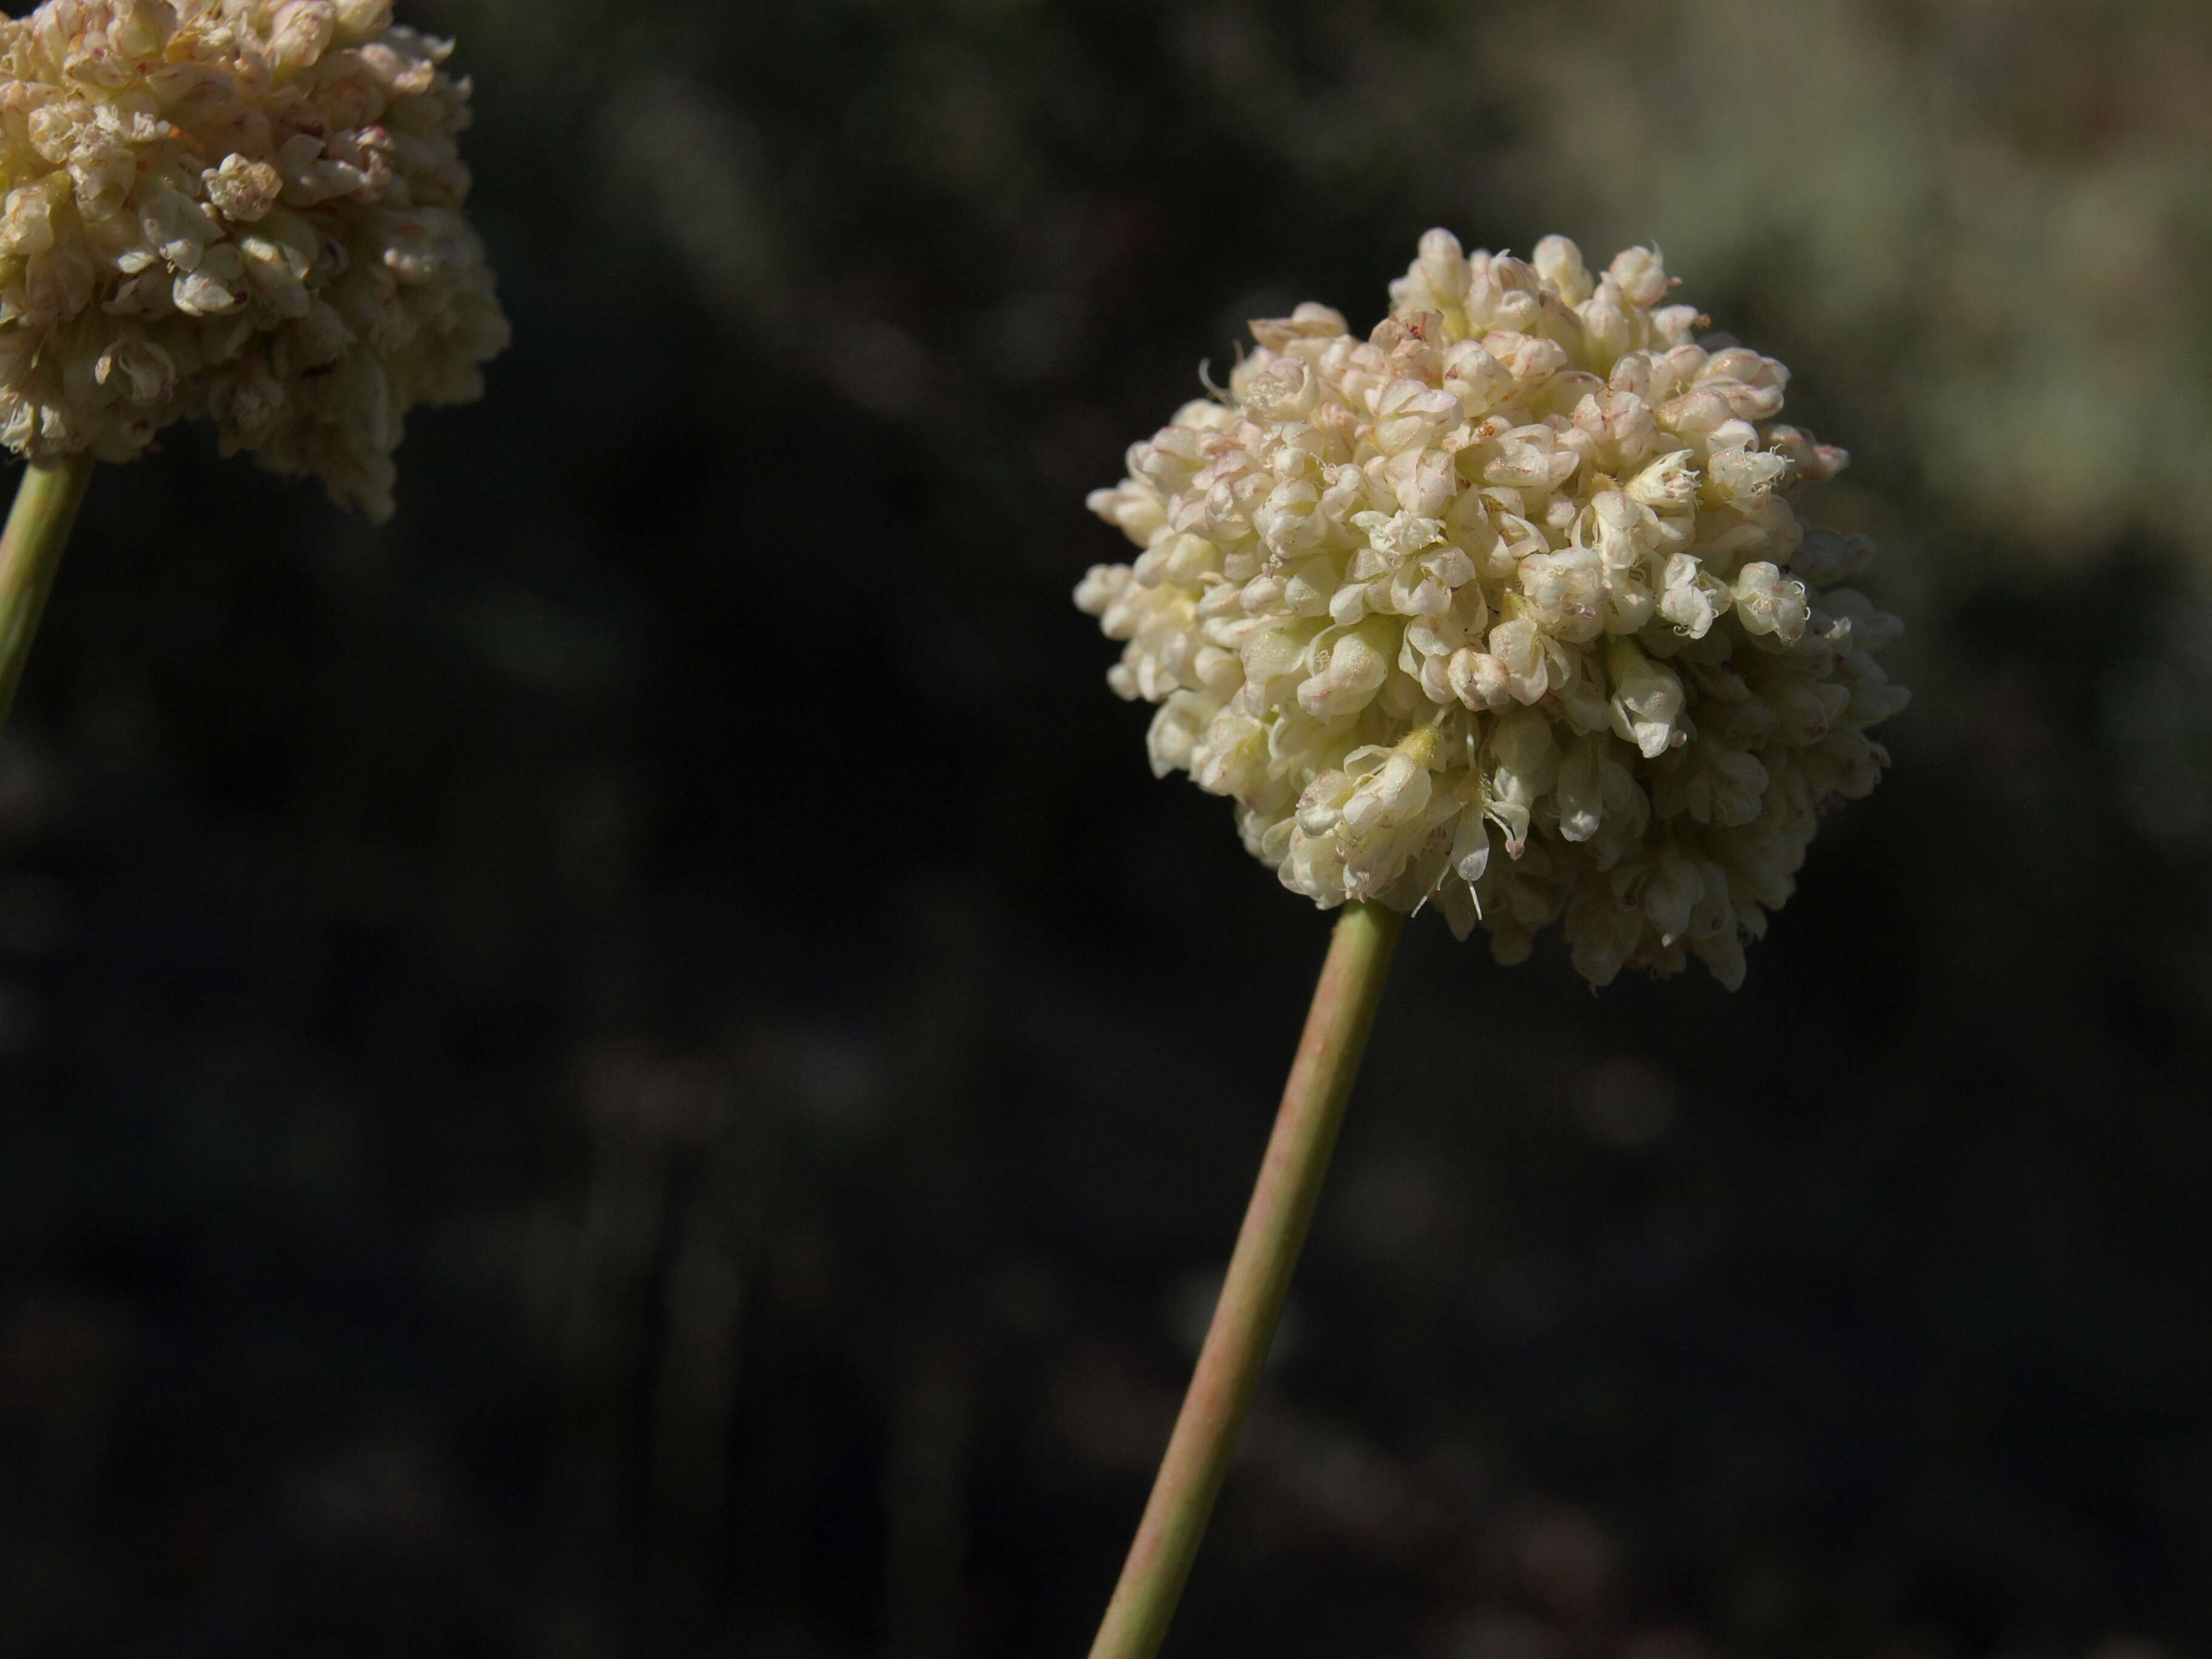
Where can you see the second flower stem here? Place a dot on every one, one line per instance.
(30, 552)
(1258, 1277)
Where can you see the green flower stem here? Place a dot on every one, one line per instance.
(1258, 1277)
(30, 552)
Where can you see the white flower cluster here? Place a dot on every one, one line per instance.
(1523, 561)
(245, 210)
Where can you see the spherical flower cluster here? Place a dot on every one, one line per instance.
(1519, 571)
(245, 210)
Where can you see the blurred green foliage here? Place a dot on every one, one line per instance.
(635, 1065)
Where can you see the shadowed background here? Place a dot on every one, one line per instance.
(635, 1064)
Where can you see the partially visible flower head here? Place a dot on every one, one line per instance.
(1518, 573)
(245, 210)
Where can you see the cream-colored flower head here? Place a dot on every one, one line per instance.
(1518, 572)
(248, 210)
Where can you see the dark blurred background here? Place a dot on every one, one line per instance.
(635, 1064)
